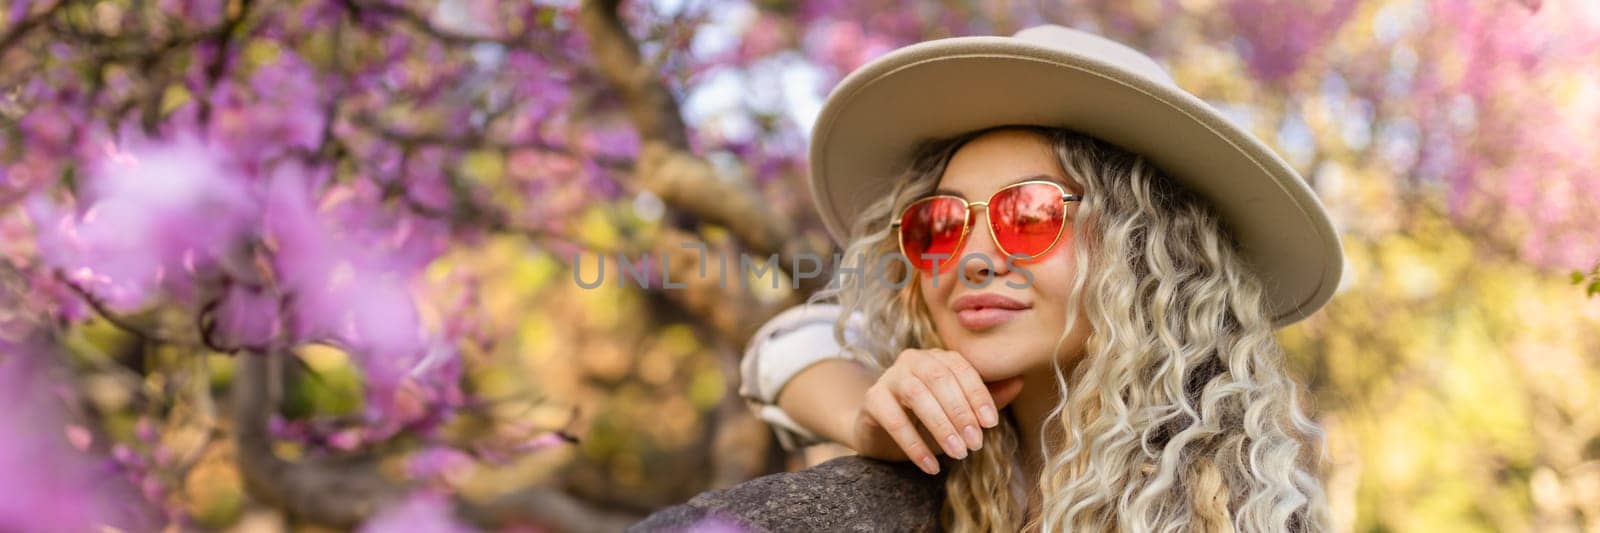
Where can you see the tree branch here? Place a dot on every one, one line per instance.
(553, 509)
(112, 317)
(666, 165)
(20, 29)
(411, 18)
(477, 142)
(333, 493)
(343, 492)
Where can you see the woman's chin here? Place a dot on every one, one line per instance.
(1001, 358)
(995, 370)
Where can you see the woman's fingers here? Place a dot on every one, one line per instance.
(886, 410)
(972, 385)
(951, 391)
(915, 394)
(937, 395)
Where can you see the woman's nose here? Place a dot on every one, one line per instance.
(982, 259)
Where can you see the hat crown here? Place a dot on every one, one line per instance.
(1083, 43)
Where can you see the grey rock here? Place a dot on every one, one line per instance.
(850, 493)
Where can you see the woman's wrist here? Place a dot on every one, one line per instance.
(826, 396)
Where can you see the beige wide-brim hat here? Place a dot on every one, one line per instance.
(1056, 76)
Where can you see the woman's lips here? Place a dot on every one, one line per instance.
(982, 311)
(986, 317)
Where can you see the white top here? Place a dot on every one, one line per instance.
(793, 340)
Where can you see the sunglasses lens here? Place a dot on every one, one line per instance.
(1028, 218)
(932, 226)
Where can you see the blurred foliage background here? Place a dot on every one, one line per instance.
(311, 264)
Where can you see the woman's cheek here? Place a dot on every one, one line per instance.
(1052, 274)
(935, 290)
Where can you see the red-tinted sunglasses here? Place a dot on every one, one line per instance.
(1025, 219)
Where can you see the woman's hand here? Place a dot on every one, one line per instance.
(948, 398)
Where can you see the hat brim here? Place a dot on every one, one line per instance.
(870, 124)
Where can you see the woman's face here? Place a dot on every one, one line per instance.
(1003, 343)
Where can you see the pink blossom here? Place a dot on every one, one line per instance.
(1279, 35)
(280, 109)
(347, 267)
(157, 214)
(438, 462)
(422, 512)
(247, 317)
(716, 522)
(49, 483)
(765, 35)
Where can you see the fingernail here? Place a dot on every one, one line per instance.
(974, 437)
(929, 465)
(987, 416)
(956, 448)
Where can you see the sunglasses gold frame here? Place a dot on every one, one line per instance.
(968, 222)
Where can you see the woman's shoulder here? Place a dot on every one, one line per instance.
(849, 493)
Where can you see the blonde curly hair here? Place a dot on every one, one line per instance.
(1180, 416)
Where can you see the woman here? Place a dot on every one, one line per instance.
(1094, 263)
